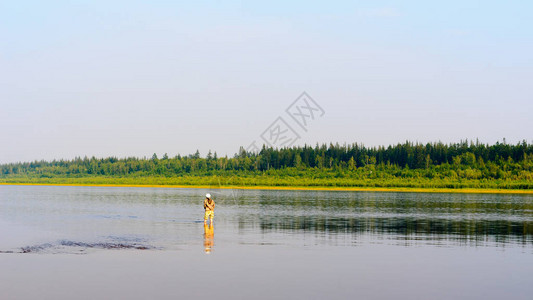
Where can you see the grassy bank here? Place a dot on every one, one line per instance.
(265, 182)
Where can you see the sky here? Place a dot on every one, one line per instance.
(133, 78)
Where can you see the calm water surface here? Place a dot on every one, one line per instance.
(264, 244)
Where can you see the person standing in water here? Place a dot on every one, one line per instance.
(209, 207)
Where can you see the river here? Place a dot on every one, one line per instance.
(59, 242)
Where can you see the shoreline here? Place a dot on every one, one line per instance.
(297, 188)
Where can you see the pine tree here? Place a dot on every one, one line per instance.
(351, 164)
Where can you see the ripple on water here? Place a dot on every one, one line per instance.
(76, 247)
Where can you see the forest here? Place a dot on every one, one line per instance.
(466, 164)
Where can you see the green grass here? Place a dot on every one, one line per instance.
(266, 181)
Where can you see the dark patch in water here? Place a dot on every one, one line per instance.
(37, 248)
(126, 239)
(70, 245)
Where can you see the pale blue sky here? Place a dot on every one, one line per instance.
(130, 78)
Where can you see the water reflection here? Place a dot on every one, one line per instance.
(209, 236)
(419, 218)
(459, 230)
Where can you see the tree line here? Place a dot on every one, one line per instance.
(472, 159)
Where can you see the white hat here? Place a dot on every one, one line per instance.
(208, 196)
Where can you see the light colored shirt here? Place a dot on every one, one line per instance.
(209, 206)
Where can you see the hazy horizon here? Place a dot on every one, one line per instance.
(136, 78)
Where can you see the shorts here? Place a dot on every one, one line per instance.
(209, 214)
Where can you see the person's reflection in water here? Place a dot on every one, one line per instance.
(209, 236)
